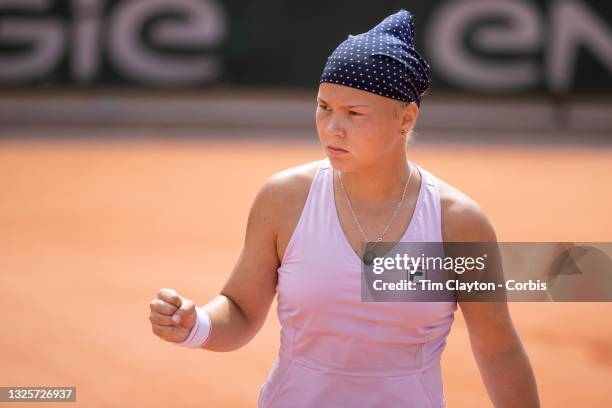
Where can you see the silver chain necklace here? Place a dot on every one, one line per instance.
(369, 254)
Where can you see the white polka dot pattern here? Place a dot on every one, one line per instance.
(382, 61)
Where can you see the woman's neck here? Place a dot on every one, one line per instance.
(378, 185)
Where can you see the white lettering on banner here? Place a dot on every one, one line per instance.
(43, 35)
(44, 41)
(571, 24)
(575, 25)
(86, 39)
(205, 27)
(451, 58)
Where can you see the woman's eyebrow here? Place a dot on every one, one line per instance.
(347, 106)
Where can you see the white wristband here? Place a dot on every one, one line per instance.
(199, 332)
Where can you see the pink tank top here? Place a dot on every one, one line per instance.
(337, 351)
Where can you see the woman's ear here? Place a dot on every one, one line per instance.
(408, 116)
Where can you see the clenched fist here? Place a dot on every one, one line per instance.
(172, 316)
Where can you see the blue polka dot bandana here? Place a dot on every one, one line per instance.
(382, 61)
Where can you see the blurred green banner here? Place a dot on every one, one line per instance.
(473, 46)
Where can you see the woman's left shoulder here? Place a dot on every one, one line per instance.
(463, 219)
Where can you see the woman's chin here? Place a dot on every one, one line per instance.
(340, 164)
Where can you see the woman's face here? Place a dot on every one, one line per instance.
(365, 125)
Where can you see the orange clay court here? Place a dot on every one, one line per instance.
(89, 231)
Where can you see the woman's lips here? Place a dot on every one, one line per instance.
(336, 150)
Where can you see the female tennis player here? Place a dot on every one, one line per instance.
(304, 242)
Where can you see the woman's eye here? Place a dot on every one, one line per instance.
(352, 113)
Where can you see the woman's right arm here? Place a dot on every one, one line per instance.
(241, 308)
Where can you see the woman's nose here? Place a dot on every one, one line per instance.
(334, 127)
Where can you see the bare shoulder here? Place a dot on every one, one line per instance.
(294, 179)
(463, 220)
(288, 187)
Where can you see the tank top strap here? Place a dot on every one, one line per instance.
(429, 216)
